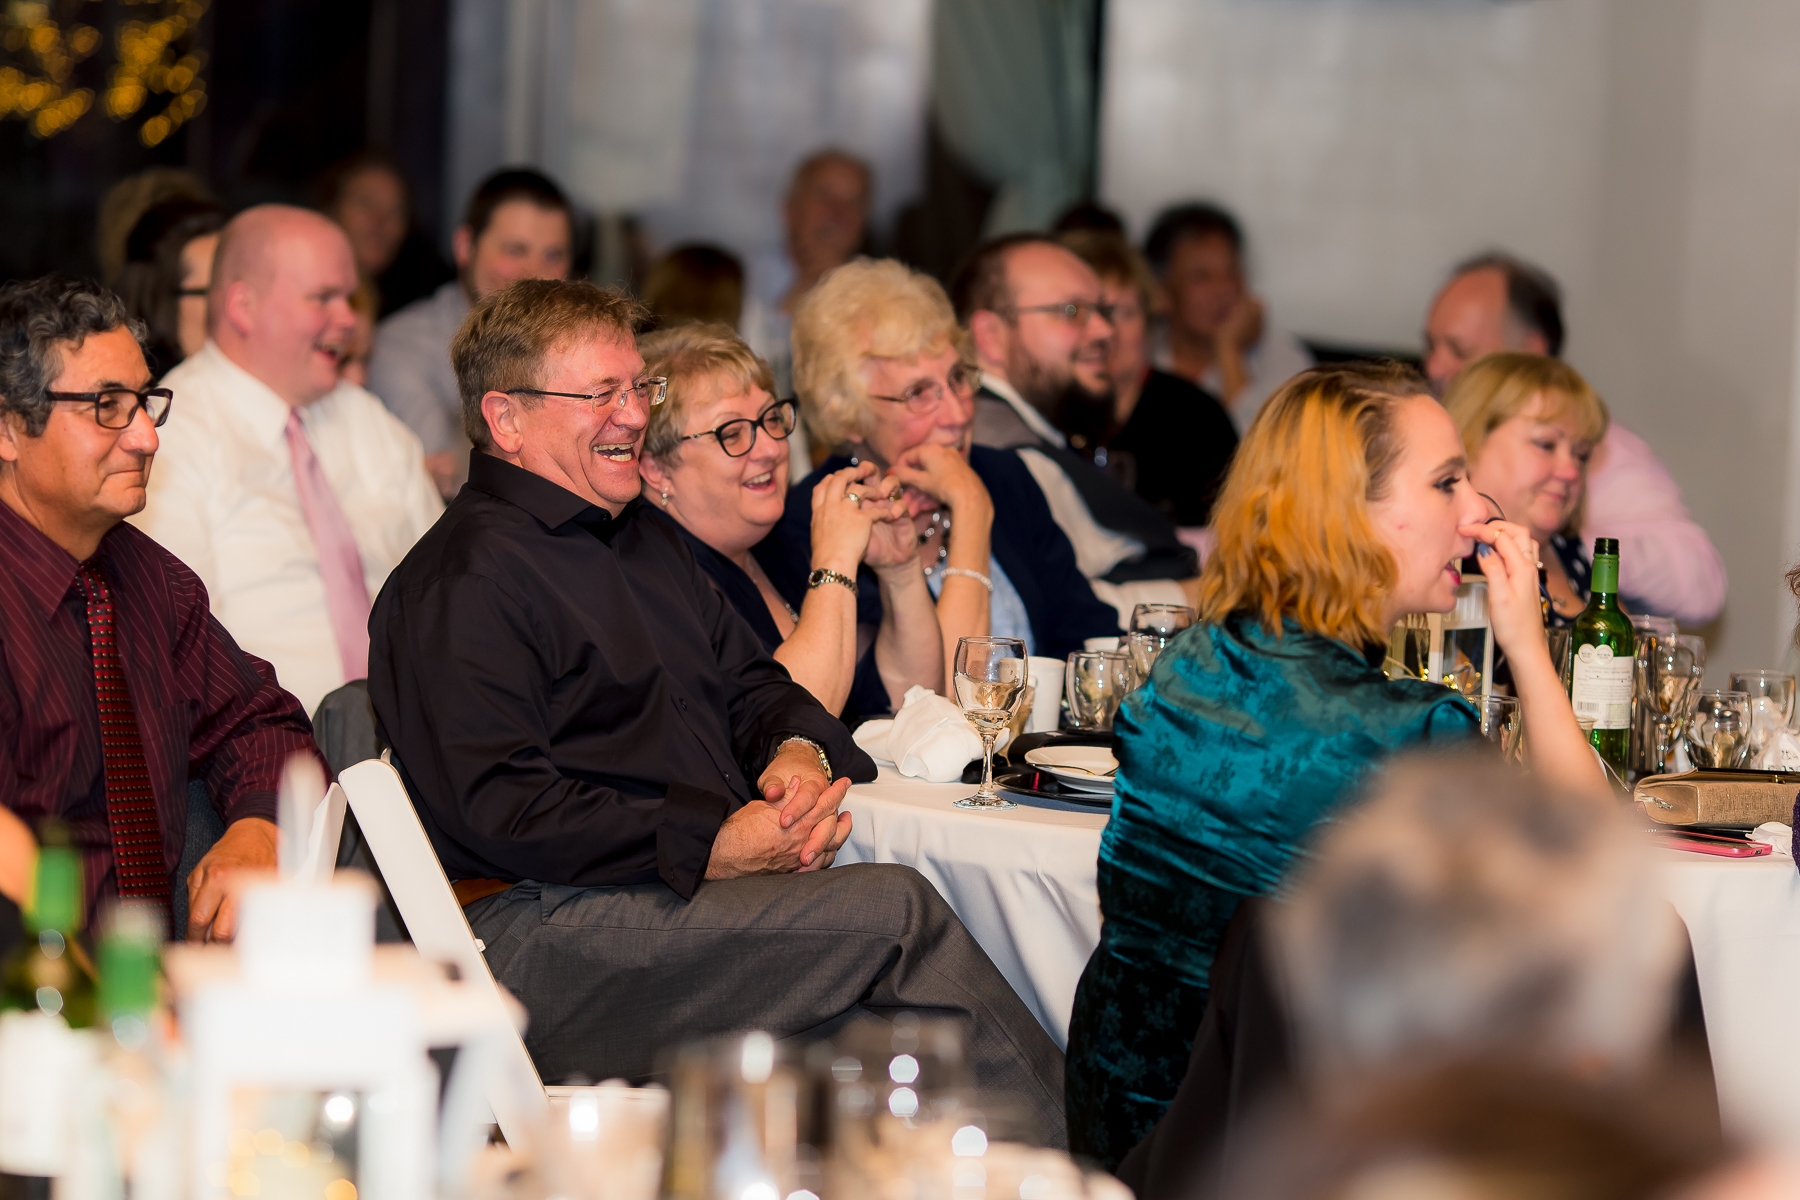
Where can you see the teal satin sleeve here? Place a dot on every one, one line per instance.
(1237, 747)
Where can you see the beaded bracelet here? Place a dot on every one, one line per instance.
(977, 576)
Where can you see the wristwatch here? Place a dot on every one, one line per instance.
(824, 763)
(827, 575)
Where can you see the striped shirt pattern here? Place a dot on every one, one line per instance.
(204, 709)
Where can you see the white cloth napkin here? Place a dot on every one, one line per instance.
(929, 738)
(1779, 837)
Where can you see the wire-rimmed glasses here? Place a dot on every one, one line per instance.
(990, 677)
(1075, 312)
(653, 388)
(116, 408)
(738, 435)
(925, 395)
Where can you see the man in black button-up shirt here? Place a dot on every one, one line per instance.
(634, 801)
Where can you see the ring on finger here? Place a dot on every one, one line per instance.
(853, 498)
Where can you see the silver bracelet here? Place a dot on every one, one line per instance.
(977, 576)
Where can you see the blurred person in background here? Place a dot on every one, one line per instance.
(826, 221)
(117, 686)
(695, 284)
(881, 374)
(1179, 438)
(355, 365)
(1043, 339)
(1530, 425)
(367, 195)
(518, 225)
(1217, 333)
(289, 491)
(167, 272)
(126, 201)
(1667, 563)
(1348, 506)
(715, 461)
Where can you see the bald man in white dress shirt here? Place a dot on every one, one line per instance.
(289, 491)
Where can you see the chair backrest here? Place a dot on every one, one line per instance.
(435, 920)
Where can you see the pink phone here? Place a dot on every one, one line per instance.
(1722, 848)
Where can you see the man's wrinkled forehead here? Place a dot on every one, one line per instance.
(601, 355)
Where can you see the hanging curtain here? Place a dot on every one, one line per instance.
(1013, 98)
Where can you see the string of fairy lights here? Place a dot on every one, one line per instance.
(155, 76)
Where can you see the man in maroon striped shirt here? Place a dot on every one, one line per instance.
(117, 686)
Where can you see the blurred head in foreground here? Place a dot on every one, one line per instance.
(1466, 911)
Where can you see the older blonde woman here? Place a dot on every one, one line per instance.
(880, 373)
(715, 460)
(1530, 424)
(1348, 506)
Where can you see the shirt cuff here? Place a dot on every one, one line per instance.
(691, 818)
(252, 802)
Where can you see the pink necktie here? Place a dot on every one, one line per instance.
(340, 566)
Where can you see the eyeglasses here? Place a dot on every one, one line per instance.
(736, 437)
(116, 408)
(925, 395)
(654, 390)
(1075, 312)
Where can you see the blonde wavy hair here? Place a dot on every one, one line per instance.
(1295, 539)
(1493, 390)
(867, 308)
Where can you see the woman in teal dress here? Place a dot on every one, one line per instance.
(1348, 506)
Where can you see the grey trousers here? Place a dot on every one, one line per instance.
(613, 975)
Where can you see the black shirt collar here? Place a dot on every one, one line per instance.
(549, 502)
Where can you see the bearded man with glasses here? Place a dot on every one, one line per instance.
(634, 802)
(1042, 333)
(117, 685)
(716, 462)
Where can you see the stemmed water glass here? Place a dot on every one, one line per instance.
(1164, 620)
(1771, 708)
(1718, 732)
(1666, 676)
(1143, 647)
(990, 677)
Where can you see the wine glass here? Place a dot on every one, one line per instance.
(1771, 708)
(1143, 647)
(1094, 683)
(1500, 723)
(1164, 620)
(990, 676)
(1718, 732)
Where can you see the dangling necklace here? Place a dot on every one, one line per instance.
(940, 524)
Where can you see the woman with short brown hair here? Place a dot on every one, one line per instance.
(1347, 507)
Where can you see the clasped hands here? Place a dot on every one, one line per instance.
(796, 826)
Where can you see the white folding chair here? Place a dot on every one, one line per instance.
(439, 930)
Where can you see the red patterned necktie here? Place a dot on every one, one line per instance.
(130, 802)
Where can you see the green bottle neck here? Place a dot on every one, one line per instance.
(1604, 586)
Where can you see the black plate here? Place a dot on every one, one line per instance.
(1029, 781)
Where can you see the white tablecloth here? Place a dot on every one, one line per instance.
(1744, 918)
(1021, 879)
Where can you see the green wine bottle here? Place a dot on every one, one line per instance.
(1603, 651)
(49, 971)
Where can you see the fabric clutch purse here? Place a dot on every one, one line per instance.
(1745, 798)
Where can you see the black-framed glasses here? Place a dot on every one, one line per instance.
(653, 388)
(779, 420)
(115, 408)
(1075, 312)
(925, 395)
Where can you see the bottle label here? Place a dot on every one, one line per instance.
(1600, 687)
